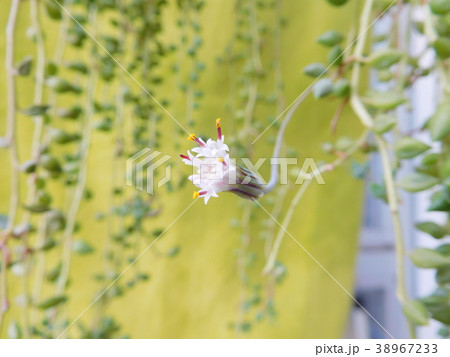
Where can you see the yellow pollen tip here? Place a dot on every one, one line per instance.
(192, 137)
(195, 195)
(218, 122)
(221, 159)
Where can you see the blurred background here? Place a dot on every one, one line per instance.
(95, 81)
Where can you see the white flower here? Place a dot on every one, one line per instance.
(215, 172)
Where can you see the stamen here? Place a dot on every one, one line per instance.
(185, 157)
(194, 138)
(219, 129)
(220, 159)
(198, 194)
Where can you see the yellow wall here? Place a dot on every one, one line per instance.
(196, 294)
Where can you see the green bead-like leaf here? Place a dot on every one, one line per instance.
(440, 7)
(385, 100)
(337, 2)
(24, 67)
(359, 170)
(106, 124)
(443, 275)
(60, 85)
(342, 88)
(53, 274)
(442, 47)
(433, 229)
(51, 69)
(383, 59)
(416, 312)
(69, 113)
(323, 88)
(429, 258)
(439, 202)
(407, 148)
(78, 67)
(50, 163)
(44, 198)
(82, 247)
(438, 305)
(29, 166)
(335, 56)
(330, 38)
(385, 75)
(416, 182)
(444, 249)
(384, 123)
(430, 159)
(36, 110)
(315, 69)
(56, 221)
(59, 136)
(172, 252)
(49, 244)
(439, 124)
(52, 302)
(37, 208)
(53, 10)
(378, 191)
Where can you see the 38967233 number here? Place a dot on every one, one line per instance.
(407, 348)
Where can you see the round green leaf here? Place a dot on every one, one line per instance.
(50, 163)
(342, 88)
(439, 202)
(442, 47)
(429, 258)
(335, 56)
(385, 58)
(29, 166)
(407, 148)
(24, 67)
(82, 247)
(443, 275)
(36, 110)
(60, 85)
(431, 228)
(330, 38)
(384, 123)
(385, 75)
(337, 2)
(439, 124)
(416, 312)
(323, 87)
(440, 7)
(53, 301)
(53, 9)
(384, 100)
(315, 69)
(416, 182)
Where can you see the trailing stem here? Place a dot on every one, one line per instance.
(81, 181)
(392, 197)
(11, 141)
